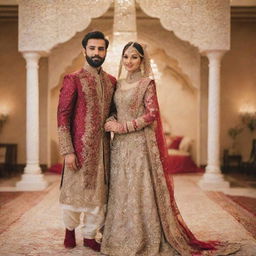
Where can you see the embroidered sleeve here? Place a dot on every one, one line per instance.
(151, 110)
(67, 100)
(112, 117)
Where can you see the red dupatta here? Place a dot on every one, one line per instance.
(161, 143)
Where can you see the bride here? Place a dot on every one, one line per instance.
(142, 215)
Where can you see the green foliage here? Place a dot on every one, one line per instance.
(250, 121)
(235, 131)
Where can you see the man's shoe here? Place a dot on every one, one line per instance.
(70, 239)
(92, 244)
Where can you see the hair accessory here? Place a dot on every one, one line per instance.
(145, 64)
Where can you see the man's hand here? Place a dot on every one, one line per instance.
(71, 161)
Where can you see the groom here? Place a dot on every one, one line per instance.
(84, 104)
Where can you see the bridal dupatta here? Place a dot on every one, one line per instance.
(176, 232)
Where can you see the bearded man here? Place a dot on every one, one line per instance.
(84, 105)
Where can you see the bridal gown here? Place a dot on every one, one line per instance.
(142, 218)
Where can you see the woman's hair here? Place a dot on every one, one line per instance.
(137, 46)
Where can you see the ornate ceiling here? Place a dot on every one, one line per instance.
(45, 24)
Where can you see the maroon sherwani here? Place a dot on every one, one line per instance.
(84, 105)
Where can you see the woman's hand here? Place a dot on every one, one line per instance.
(109, 126)
(114, 126)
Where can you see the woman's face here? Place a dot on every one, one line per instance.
(131, 60)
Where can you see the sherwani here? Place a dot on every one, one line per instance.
(84, 105)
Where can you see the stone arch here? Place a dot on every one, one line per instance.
(199, 23)
(45, 24)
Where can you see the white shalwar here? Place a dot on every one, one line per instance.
(93, 219)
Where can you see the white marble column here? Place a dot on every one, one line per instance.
(213, 178)
(32, 179)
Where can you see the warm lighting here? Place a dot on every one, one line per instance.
(155, 70)
(4, 110)
(4, 113)
(247, 109)
(248, 116)
(3, 119)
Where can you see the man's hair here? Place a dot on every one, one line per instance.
(94, 35)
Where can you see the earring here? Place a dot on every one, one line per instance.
(120, 69)
(142, 68)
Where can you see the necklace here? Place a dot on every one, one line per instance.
(133, 76)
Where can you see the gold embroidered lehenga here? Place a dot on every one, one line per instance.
(142, 216)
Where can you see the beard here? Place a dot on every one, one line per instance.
(95, 61)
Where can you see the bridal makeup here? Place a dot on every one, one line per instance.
(131, 60)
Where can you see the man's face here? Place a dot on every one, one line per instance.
(95, 52)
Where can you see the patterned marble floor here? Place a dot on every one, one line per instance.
(39, 230)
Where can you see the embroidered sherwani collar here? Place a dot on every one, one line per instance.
(92, 70)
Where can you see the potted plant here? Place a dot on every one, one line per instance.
(3, 119)
(233, 133)
(249, 119)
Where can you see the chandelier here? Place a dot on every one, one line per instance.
(124, 31)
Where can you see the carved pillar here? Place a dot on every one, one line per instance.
(32, 179)
(213, 179)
